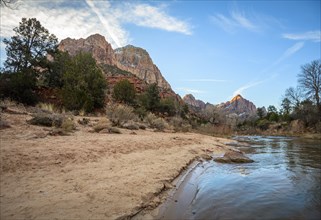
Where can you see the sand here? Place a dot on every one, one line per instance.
(90, 175)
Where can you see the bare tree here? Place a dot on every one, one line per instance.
(294, 95)
(310, 81)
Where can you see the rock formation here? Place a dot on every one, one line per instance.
(128, 59)
(238, 105)
(137, 61)
(193, 103)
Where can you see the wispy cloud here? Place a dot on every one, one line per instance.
(189, 90)
(90, 17)
(309, 35)
(235, 20)
(289, 52)
(205, 80)
(155, 17)
(113, 29)
(245, 87)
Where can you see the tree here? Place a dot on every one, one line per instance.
(286, 106)
(83, 84)
(29, 47)
(56, 68)
(260, 112)
(294, 95)
(272, 113)
(151, 99)
(124, 91)
(310, 81)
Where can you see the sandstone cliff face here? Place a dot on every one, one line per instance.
(132, 59)
(95, 44)
(194, 103)
(137, 61)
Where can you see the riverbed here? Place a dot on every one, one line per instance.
(284, 182)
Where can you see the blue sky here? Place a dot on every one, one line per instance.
(211, 49)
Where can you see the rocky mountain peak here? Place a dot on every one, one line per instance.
(95, 44)
(137, 61)
(190, 100)
(236, 98)
(129, 58)
(239, 105)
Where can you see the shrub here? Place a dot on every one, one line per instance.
(124, 92)
(83, 84)
(180, 125)
(47, 107)
(167, 105)
(19, 87)
(156, 122)
(68, 125)
(47, 120)
(120, 114)
(101, 125)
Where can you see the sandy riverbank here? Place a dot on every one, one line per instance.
(90, 175)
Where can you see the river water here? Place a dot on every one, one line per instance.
(284, 182)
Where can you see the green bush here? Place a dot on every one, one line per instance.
(83, 84)
(167, 105)
(124, 92)
(19, 87)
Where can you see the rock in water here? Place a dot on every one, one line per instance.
(233, 157)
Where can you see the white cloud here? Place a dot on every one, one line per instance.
(155, 17)
(234, 21)
(289, 52)
(242, 21)
(189, 90)
(90, 17)
(309, 35)
(110, 23)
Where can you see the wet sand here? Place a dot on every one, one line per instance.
(90, 175)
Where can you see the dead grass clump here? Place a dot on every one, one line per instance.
(179, 124)
(101, 125)
(120, 114)
(68, 125)
(155, 122)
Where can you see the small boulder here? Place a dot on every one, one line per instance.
(233, 157)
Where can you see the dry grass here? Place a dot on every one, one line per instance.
(155, 122)
(120, 114)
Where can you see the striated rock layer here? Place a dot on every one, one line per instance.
(129, 58)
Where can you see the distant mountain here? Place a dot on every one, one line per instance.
(193, 103)
(121, 61)
(238, 105)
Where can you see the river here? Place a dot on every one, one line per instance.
(284, 182)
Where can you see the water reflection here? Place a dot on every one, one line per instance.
(284, 182)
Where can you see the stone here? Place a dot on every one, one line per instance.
(233, 157)
(132, 59)
(190, 100)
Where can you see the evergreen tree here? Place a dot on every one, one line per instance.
(124, 92)
(28, 48)
(83, 84)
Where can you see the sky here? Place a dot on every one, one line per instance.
(211, 49)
